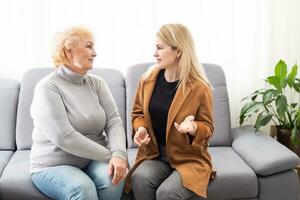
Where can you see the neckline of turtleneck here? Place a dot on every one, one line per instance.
(69, 75)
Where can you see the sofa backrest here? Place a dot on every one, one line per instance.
(215, 73)
(24, 126)
(9, 93)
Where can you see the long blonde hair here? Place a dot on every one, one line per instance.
(179, 37)
(71, 37)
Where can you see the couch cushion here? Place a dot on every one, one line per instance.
(15, 182)
(222, 123)
(4, 158)
(113, 78)
(234, 178)
(216, 76)
(279, 186)
(262, 153)
(8, 109)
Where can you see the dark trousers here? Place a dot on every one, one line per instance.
(155, 179)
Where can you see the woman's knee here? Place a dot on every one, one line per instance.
(110, 191)
(169, 192)
(62, 186)
(98, 172)
(140, 176)
(81, 191)
(164, 193)
(148, 173)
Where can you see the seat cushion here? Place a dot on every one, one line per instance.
(15, 182)
(4, 158)
(234, 179)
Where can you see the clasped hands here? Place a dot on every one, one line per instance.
(188, 125)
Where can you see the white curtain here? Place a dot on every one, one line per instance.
(245, 37)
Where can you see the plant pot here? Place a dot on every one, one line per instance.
(283, 136)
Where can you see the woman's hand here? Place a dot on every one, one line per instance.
(141, 136)
(187, 126)
(118, 167)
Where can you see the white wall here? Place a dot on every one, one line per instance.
(246, 37)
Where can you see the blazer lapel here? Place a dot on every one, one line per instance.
(176, 105)
(148, 88)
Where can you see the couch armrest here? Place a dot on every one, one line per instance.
(262, 153)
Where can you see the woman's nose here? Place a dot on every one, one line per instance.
(94, 54)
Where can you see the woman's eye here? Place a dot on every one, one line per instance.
(89, 46)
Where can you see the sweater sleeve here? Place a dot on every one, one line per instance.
(114, 126)
(50, 116)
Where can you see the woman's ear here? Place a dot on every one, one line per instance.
(179, 52)
(68, 53)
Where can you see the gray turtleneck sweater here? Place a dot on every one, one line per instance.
(70, 114)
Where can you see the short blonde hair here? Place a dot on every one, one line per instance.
(179, 37)
(68, 38)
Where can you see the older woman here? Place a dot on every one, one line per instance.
(71, 157)
(172, 121)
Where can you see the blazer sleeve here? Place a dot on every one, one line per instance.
(204, 117)
(137, 115)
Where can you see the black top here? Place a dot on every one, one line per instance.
(160, 103)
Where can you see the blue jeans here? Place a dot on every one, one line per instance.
(68, 182)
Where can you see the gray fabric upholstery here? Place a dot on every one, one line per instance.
(222, 124)
(222, 136)
(131, 156)
(15, 182)
(114, 79)
(261, 152)
(281, 186)
(8, 109)
(4, 158)
(234, 178)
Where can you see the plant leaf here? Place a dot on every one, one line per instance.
(254, 97)
(281, 104)
(293, 105)
(281, 72)
(294, 138)
(248, 109)
(262, 120)
(297, 87)
(284, 83)
(255, 93)
(275, 81)
(270, 95)
(292, 75)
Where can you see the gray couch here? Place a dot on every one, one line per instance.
(248, 165)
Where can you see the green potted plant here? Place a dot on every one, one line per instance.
(278, 103)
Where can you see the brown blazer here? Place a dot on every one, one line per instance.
(189, 156)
